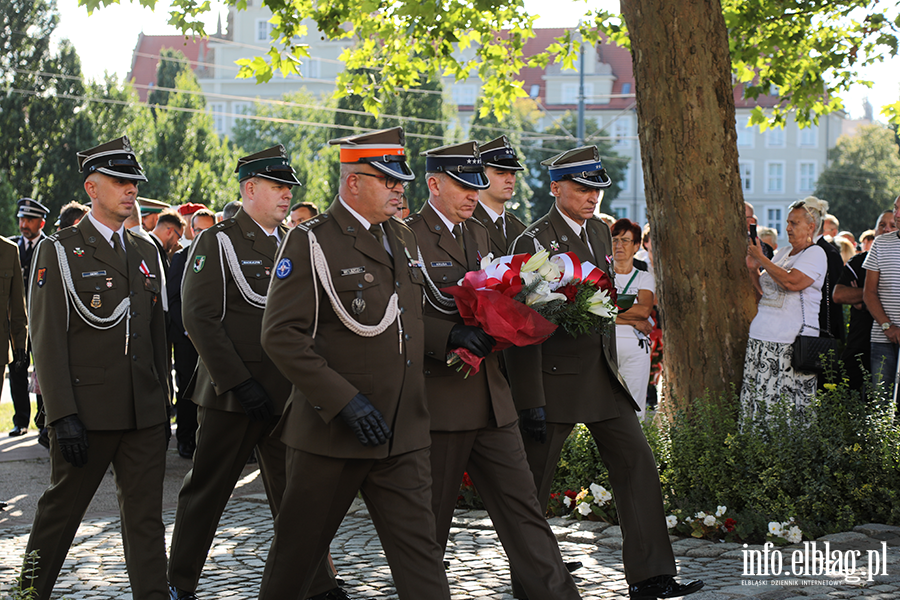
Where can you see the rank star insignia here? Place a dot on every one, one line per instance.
(199, 261)
(78, 252)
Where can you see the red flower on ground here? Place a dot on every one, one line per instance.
(571, 494)
(729, 524)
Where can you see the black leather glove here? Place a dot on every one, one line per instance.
(533, 422)
(366, 421)
(72, 438)
(254, 400)
(473, 339)
(20, 359)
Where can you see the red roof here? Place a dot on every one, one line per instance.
(146, 57)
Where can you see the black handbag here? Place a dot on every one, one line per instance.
(808, 350)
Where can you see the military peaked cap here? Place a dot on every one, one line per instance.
(115, 158)
(29, 208)
(462, 162)
(271, 163)
(581, 165)
(499, 154)
(383, 149)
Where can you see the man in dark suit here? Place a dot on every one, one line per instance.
(348, 334)
(98, 327)
(481, 434)
(167, 233)
(239, 391)
(831, 314)
(184, 355)
(32, 218)
(568, 380)
(500, 168)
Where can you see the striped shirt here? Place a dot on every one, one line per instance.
(884, 257)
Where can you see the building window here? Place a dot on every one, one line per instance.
(775, 137)
(806, 176)
(809, 137)
(744, 133)
(626, 87)
(625, 184)
(570, 93)
(774, 219)
(241, 108)
(311, 68)
(263, 30)
(775, 177)
(217, 110)
(622, 131)
(463, 95)
(745, 168)
(621, 212)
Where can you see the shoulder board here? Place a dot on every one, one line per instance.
(412, 218)
(314, 222)
(537, 227)
(224, 224)
(63, 234)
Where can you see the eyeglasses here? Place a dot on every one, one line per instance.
(617, 241)
(389, 182)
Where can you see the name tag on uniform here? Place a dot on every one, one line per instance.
(447, 263)
(251, 262)
(94, 274)
(353, 271)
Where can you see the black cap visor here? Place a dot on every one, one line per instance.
(594, 179)
(392, 165)
(472, 177)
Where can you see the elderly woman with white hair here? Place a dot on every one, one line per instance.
(790, 286)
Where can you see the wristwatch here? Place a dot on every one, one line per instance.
(886, 325)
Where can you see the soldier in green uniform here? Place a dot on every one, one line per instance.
(474, 424)
(568, 380)
(500, 168)
(343, 322)
(96, 313)
(240, 393)
(13, 324)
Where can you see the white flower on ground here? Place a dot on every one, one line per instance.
(709, 521)
(567, 501)
(721, 511)
(700, 515)
(597, 490)
(671, 521)
(794, 535)
(775, 528)
(603, 497)
(584, 508)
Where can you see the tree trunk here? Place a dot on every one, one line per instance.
(686, 127)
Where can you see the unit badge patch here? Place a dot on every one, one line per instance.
(284, 268)
(41, 277)
(199, 261)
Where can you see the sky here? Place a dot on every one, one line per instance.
(106, 39)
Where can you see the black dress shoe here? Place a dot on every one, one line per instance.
(185, 450)
(176, 594)
(573, 566)
(332, 594)
(663, 586)
(17, 431)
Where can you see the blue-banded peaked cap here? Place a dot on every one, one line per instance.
(580, 164)
(462, 162)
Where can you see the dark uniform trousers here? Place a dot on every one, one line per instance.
(138, 460)
(326, 463)
(577, 381)
(18, 378)
(481, 435)
(229, 347)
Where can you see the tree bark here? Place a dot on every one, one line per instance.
(686, 127)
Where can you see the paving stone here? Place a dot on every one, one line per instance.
(847, 536)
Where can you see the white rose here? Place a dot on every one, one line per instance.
(794, 535)
(709, 521)
(700, 515)
(775, 528)
(584, 508)
(567, 501)
(671, 521)
(720, 511)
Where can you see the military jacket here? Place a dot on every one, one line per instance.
(25, 256)
(222, 323)
(13, 327)
(115, 378)
(573, 378)
(456, 402)
(327, 363)
(499, 242)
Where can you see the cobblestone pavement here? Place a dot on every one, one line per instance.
(95, 568)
